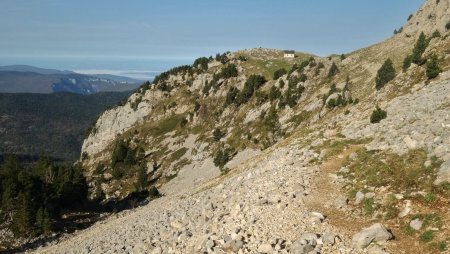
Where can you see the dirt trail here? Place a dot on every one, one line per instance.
(324, 193)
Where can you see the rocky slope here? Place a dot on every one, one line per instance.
(291, 149)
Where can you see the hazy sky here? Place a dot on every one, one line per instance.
(154, 35)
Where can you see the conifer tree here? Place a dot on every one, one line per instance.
(43, 221)
(433, 69)
(23, 217)
(419, 49)
(385, 74)
(333, 70)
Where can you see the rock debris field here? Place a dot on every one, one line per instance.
(259, 208)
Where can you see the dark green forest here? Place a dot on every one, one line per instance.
(50, 124)
(33, 198)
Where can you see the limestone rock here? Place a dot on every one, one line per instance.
(416, 224)
(374, 233)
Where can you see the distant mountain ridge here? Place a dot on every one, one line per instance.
(29, 68)
(30, 79)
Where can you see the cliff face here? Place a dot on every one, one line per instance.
(116, 121)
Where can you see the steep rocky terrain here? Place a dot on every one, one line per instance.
(251, 159)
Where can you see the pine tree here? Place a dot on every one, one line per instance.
(119, 153)
(407, 62)
(278, 73)
(217, 134)
(377, 115)
(433, 69)
(23, 217)
(419, 49)
(43, 221)
(221, 158)
(333, 70)
(385, 74)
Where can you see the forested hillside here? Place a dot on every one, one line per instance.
(52, 124)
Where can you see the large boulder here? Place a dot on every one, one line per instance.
(374, 233)
(443, 175)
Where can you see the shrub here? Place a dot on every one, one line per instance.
(293, 68)
(279, 73)
(429, 197)
(436, 34)
(196, 106)
(333, 70)
(183, 122)
(303, 77)
(201, 63)
(231, 96)
(251, 85)
(218, 134)
(331, 103)
(427, 236)
(221, 158)
(119, 153)
(291, 98)
(174, 71)
(385, 74)
(274, 93)
(153, 193)
(447, 26)
(343, 56)
(333, 89)
(223, 58)
(410, 17)
(271, 121)
(242, 58)
(261, 97)
(207, 88)
(407, 62)
(419, 48)
(377, 115)
(433, 69)
(229, 71)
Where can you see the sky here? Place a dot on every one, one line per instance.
(141, 36)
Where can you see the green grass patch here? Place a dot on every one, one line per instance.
(368, 206)
(430, 197)
(433, 220)
(166, 125)
(427, 236)
(405, 172)
(407, 229)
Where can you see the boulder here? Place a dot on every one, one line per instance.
(443, 175)
(359, 197)
(328, 238)
(265, 248)
(340, 202)
(300, 248)
(416, 224)
(374, 233)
